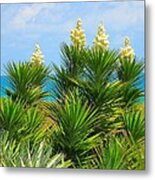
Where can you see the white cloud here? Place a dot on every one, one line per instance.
(39, 16)
(125, 16)
(27, 15)
(52, 17)
(34, 20)
(119, 16)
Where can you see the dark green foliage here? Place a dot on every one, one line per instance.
(76, 120)
(129, 73)
(20, 123)
(26, 82)
(134, 124)
(113, 155)
(94, 121)
(71, 70)
(73, 60)
(11, 116)
(100, 65)
(109, 85)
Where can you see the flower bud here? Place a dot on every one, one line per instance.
(37, 57)
(77, 35)
(127, 52)
(101, 38)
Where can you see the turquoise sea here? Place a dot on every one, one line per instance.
(49, 86)
(5, 84)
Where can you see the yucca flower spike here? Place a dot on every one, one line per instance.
(127, 51)
(101, 39)
(37, 57)
(78, 36)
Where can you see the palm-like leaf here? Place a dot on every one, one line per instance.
(130, 74)
(15, 154)
(26, 81)
(72, 69)
(119, 153)
(98, 82)
(73, 60)
(19, 122)
(130, 71)
(131, 95)
(61, 82)
(32, 128)
(75, 125)
(100, 65)
(112, 156)
(136, 155)
(11, 116)
(134, 124)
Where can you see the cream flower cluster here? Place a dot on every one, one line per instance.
(78, 36)
(101, 39)
(127, 51)
(37, 57)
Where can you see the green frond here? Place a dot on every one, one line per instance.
(112, 156)
(73, 59)
(21, 123)
(130, 71)
(24, 154)
(75, 125)
(100, 65)
(134, 124)
(26, 82)
(11, 116)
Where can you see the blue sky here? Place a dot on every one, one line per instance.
(49, 24)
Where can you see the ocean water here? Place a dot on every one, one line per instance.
(50, 86)
(5, 84)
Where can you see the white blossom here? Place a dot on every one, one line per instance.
(78, 36)
(101, 38)
(127, 51)
(37, 57)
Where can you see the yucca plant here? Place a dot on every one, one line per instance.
(130, 74)
(21, 123)
(26, 82)
(11, 116)
(113, 155)
(74, 135)
(14, 154)
(130, 71)
(99, 71)
(118, 153)
(136, 155)
(95, 119)
(66, 76)
(108, 83)
(100, 86)
(134, 124)
(73, 59)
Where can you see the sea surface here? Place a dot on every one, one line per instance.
(4, 84)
